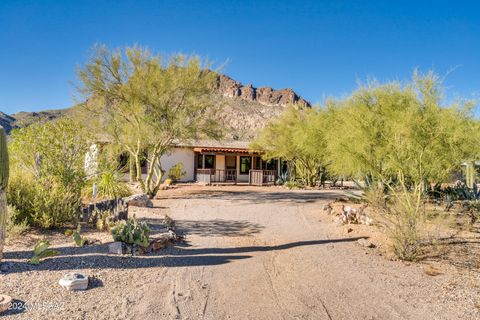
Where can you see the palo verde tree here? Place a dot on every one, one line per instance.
(145, 104)
(402, 138)
(381, 131)
(297, 137)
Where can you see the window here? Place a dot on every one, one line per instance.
(258, 163)
(245, 165)
(209, 161)
(271, 165)
(199, 161)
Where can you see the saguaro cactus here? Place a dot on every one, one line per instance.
(3, 187)
(470, 174)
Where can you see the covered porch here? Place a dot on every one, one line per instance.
(216, 165)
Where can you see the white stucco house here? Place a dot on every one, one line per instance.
(221, 162)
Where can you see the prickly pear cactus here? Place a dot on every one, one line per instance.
(3, 187)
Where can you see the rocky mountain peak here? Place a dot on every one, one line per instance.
(245, 109)
(267, 96)
(6, 121)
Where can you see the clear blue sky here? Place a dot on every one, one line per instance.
(318, 48)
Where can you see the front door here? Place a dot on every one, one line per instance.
(231, 168)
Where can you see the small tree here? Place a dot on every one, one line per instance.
(145, 104)
(297, 137)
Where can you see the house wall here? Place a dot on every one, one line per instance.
(176, 155)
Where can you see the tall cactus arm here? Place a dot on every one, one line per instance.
(3, 159)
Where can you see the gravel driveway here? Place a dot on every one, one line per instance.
(251, 253)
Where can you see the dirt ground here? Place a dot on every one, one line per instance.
(251, 253)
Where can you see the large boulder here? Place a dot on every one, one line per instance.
(139, 200)
(74, 281)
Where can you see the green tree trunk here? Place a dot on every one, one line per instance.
(132, 169)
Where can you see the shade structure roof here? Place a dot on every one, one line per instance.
(224, 150)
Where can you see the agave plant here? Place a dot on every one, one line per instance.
(460, 192)
(282, 178)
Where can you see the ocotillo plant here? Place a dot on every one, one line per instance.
(3, 187)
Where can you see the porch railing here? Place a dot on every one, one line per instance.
(209, 176)
(256, 177)
(262, 177)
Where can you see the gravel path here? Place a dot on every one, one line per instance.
(252, 253)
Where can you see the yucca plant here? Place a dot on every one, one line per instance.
(3, 186)
(110, 185)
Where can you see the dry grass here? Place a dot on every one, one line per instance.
(431, 271)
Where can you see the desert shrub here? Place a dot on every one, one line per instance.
(56, 206)
(45, 204)
(131, 231)
(177, 172)
(292, 184)
(403, 217)
(21, 197)
(47, 173)
(15, 228)
(405, 226)
(376, 198)
(472, 208)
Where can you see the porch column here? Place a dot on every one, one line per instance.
(237, 159)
